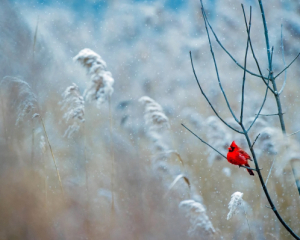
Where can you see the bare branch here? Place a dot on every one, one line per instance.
(245, 66)
(293, 133)
(253, 54)
(261, 107)
(282, 127)
(267, 115)
(272, 54)
(255, 141)
(287, 66)
(265, 97)
(217, 71)
(225, 50)
(270, 171)
(213, 147)
(283, 59)
(208, 99)
(203, 141)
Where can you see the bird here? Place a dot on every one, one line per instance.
(238, 156)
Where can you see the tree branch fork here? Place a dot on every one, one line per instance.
(245, 131)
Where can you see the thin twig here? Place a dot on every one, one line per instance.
(245, 66)
(270, 171)
(282, 127)
(253, 54)
(275, 92)
(255, 141)
(217, 71)
(213, 147)
(287, 66)
(261, 107)
(297, 181)
(207, 97)
(283, 59)
(267, 115)
(203, 141)
(272, 51)
(225, 50)
(293, 133)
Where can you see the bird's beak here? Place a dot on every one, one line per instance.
(229, 148)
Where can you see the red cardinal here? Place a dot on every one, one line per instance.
(238, 156)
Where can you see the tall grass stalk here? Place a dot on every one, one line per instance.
(112, 156)
(247, 220)
(54, 161)
(86, 182)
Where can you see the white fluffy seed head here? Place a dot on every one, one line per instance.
(73, 107)
(154, 115)
(235, 202)
(101, 84)
(25, 101)
(196, 213)
(91, 60)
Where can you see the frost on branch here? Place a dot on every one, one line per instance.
(235, 202)
(101, 85)
(73, 107)
(196, 213)
(24, 100)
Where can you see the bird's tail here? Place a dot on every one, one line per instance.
(249, 170)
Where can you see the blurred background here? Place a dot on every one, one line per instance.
(145, 45)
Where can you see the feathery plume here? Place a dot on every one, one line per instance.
(154, 115)
(73, 104)
(235, 202)
(25, 102)
(200, 222)
(101, 86)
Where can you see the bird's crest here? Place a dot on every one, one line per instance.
(233, 144)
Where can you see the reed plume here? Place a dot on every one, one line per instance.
(235, 202)
(100, 90)
(101, 85)
(25, 101)
(199, 220)
(154, 115)
(73, 107)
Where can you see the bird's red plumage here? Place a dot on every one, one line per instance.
(238, 156)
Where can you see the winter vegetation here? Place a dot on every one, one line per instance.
(93, 96)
